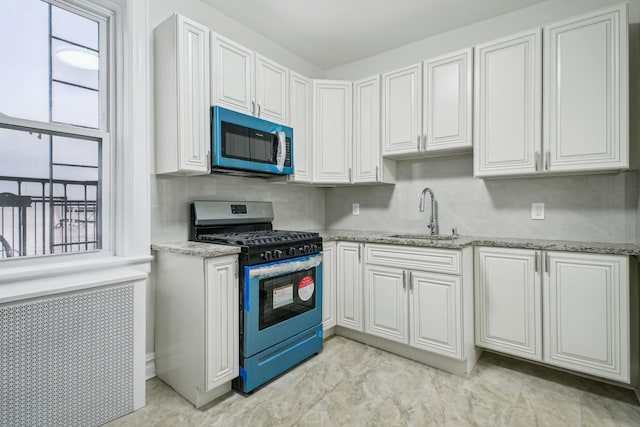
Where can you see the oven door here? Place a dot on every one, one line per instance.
(281, 299)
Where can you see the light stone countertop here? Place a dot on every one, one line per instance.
(204, 250)
(209, 250)
(463, 241)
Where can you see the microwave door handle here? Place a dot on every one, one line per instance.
(281, 151)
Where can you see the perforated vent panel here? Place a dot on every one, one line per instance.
(67, 361)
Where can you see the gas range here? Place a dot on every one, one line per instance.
(248, 225)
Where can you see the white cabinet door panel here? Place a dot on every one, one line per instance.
(366, 130)
(507, 131)
(272, 91)
(435, 313)
(301, 112)
(349, 284)
(332, 131)
(402, 110)
(221, 321)
(586, 314)
(586, 86)
(448, 101)
(233, 71)
(328, 285)
(386, 303)
(508, 302)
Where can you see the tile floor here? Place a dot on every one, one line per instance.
(351, 384)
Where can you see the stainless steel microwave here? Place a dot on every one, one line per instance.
(246, 145)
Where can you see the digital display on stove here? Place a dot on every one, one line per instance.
(238, 209)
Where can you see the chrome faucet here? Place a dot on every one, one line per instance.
(433, 221)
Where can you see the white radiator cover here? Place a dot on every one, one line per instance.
(72, 359)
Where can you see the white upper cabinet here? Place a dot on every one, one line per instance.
(368, 164)
(402, 111)
(272, 90)
(247, 82)
(181, 51)
(232, 75)
(448, 83)
(585, 93)
(301, 91)
(332, 131)
(507, 132)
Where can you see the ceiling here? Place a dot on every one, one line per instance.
(329, 33)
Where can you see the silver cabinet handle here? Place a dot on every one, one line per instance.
(350, 175)
(546, 262)
(253, 106)
(258, 110)
(359, 254)
(404, 279)
(418, 142)
(424, 142)
(535, 262)
(547, 160)
(410, 282)
(537, 159)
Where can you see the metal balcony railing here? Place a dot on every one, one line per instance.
(46, 216)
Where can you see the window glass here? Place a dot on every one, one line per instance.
(24, 49)
(48, 194)
(43, 47)
(74, 105)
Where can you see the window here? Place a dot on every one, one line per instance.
(54, 128)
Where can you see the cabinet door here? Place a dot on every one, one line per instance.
(435, 313)
(221, 321)
(386, 303)
(349, 285)
(402, 111)
(366, 130)
(328, 285)
(586, 86)
(586, 314)
(272, 91)
(508, 306)
(301, 90)
(507, 125)
(182, 97)
(233, 75)
(332, 131)
(448, 101)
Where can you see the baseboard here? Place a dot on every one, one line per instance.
(150, 365)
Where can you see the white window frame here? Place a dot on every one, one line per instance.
(125, 163)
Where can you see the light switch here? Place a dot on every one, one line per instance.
(537, 210)
(355, 209)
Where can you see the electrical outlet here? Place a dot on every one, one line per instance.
(355, 209)
(537, 210)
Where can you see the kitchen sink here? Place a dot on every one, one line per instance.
(425, 236)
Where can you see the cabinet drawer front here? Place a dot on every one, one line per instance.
(411, 257)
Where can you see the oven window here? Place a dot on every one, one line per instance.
(286, 296)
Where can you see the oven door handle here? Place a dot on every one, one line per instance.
(283, 267)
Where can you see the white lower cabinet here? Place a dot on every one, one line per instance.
(328, 285)
(197, 324)
(413, 305)
(565, 309)
(349, 280)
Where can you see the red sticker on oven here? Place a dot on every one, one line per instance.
(306, 288)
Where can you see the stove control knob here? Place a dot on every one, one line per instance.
(266, 255)
(277, 254)
(292, 251)
(314, 248)
(306, 249)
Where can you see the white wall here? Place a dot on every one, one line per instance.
(595, 208)
(295, 207)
